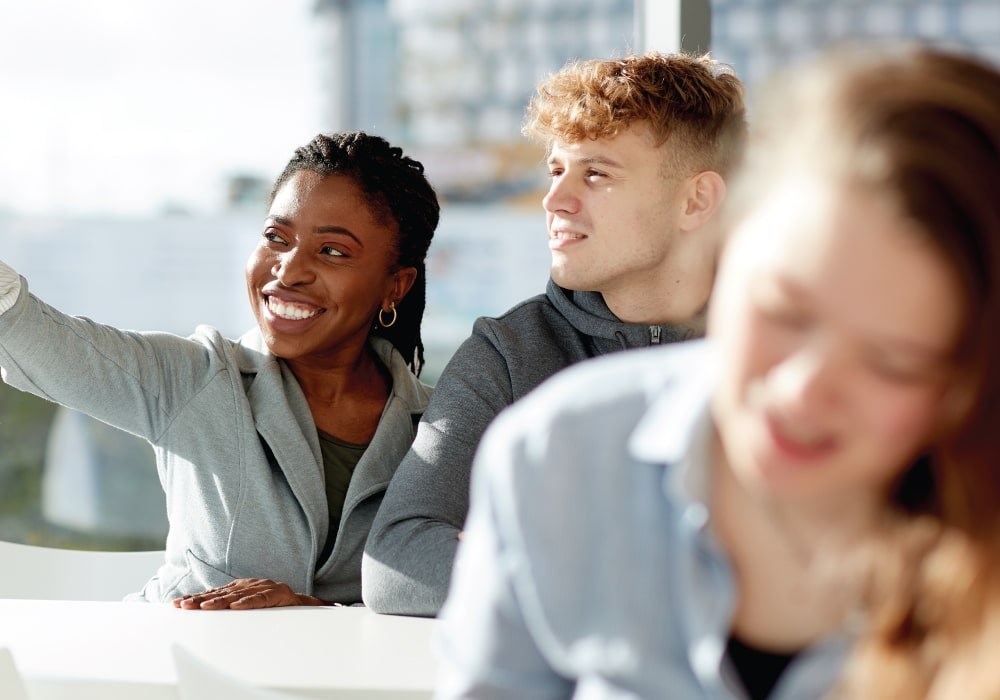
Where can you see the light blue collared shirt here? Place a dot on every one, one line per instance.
(587, 567)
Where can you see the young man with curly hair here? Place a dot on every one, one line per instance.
(638, 151)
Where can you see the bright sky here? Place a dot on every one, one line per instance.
(124, 106)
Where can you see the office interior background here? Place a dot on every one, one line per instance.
(135, 167)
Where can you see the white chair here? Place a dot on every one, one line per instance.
(197, 680)
(11, 686)
(51, 573)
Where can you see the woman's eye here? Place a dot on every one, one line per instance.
(555, 172)
(273, 237)
(787, 316)
(593, 174)
(331, 251)
(899, 372)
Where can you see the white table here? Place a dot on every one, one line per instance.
(88, 650)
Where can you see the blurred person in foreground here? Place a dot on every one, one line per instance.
(274, 450)
(637, 149)
(815, 482)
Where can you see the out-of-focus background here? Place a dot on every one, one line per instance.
(139, 139)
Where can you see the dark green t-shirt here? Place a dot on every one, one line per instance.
(339, 460)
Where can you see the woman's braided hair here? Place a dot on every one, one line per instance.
(396, 189)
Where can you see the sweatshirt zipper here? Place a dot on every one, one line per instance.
(654, 335)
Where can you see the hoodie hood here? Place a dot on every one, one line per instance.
(590, 315)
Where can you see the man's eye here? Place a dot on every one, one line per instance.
(329, 250)
(273, 237)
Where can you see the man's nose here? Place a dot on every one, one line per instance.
(561, 197)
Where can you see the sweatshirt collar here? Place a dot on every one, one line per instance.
(588, 313)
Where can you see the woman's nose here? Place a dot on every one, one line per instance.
(809, 379)
(291, 268)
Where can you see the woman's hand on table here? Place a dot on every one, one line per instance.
(246, 594)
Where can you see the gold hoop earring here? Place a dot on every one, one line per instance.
(390, 324)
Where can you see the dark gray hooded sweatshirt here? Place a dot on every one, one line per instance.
(407, 563)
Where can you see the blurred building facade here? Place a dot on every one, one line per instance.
(358, 44)
(758, 37)
(467, 67)
(450, 79)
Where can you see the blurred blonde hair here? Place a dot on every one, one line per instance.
(919, 127)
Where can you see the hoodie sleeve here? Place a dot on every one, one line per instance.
(407, 565)
(408, 558)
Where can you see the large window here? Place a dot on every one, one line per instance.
(139, 141)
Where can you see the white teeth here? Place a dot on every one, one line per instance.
(289, 311)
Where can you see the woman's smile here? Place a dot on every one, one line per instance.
(794, 444)
(291, 311)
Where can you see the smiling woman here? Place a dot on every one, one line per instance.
(350, 268)
(274, 449)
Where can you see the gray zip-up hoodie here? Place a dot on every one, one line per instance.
(407, 563)
(236, 447)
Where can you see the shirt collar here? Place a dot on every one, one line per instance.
(677, 428)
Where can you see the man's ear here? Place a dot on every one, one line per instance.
(702, 196)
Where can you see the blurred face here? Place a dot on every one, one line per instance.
(835, 324)
(321, 268)
(611, 213)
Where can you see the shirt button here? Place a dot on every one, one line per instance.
(696, 516)
(706, 654)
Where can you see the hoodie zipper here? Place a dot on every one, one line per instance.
(654, 335)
